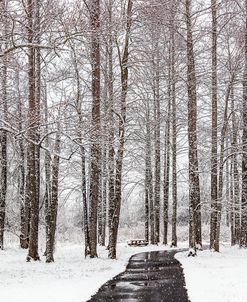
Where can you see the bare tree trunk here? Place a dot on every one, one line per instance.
(95, 137)
(146, 205)
(174, 167)
(103, 196)
(194, 184)
(100, 199)
(3, 133)
(104, 199)
(103, 175)
(37, 62)
(27, 208)
(53, 206)
(235, 199)
(33, 124)
(227, 179)
(216, 245)
(243, 235)
(157, 150)
(214, 161)
(232, 205)
(47, 197)
(166, 181)
(84, 199)
(149, 179)
(83, 158)
(167, 156)
(120, 153)
(174, 132)
(21, 174)
(111, 152)
(149, 208)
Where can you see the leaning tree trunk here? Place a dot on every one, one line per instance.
(95, 136)
(243, 235)
(194, 183)
(120, 153)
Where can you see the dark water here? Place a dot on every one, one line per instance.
(151, 276)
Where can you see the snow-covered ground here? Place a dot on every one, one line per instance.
(70, 279)
(210, 277)
(216, 277)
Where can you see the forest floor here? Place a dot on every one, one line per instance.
(210, 277)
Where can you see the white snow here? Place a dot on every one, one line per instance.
(71, 278)
(210, 276)
(216, 277)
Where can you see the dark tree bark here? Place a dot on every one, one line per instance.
(235, 195)
(146, 204)
(216, 245)
(243, 235)
(167, 158)
(214, 161)
(84, 199)
(194, 183)
(37, 68)
(32, 188)
(104, 173)
(82, 154)
(157, 148)
(3, 133)
(47, 196)
(21, 172)
(111, 152)
(53, 205)
(174, 131)
(149, 208)
(95, 137)
(102, 198)
(120, 153)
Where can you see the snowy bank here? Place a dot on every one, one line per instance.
(216, 277)
(71, 278)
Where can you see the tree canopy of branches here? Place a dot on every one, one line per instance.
(112, 107)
